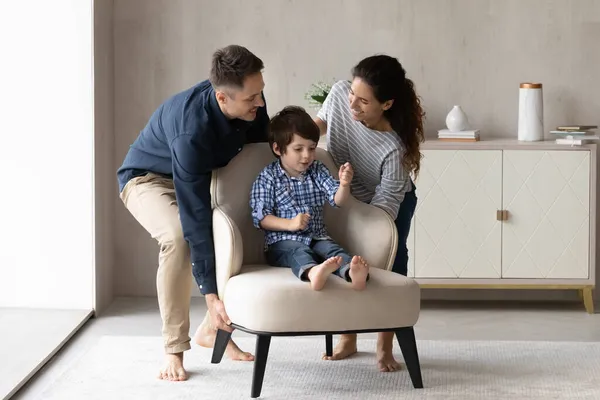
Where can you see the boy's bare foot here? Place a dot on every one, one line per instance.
(358, 273)
(345, 348)
(385, 358)
(318, 274)
(205, 337)
(173, 368)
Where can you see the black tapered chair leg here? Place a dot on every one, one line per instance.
(220, 345)
(328, 345)
(260, 363)
(408, 345)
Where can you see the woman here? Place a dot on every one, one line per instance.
(376, 123)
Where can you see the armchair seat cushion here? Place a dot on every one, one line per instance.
(271, 299)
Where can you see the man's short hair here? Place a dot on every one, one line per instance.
(289, 121)
(231, 65)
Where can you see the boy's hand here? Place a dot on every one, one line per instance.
(346, 174)
(299, 222)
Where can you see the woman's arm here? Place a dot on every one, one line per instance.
(322, 125)
(389, 194)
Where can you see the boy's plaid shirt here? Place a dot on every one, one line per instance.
(276, 193)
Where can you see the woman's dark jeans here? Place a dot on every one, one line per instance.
(407, 210)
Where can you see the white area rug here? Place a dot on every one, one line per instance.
(125, 368)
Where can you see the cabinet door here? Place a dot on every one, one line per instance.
(547, 196)
(456, 231)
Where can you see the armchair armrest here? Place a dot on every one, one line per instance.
(364, 230)
(228, 248)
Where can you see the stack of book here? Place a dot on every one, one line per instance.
(460, 136)
(575, 135)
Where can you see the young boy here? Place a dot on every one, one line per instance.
(287, 202)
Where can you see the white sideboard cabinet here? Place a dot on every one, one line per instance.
(507, 215)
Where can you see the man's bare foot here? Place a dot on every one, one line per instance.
(385, 358)
(345, 348)
(173, 368)
(358, 273)
(205, 337)
(318, 274)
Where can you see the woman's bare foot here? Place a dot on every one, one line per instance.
(358, 273)
(385, 358)
(205, 337)
(318, 274)
(173, 369)
(345, 348)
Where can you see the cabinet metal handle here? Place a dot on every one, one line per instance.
(501, 215)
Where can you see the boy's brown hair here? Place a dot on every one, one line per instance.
(289, 121)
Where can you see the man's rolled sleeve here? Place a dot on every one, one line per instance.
(262, 198)
(192, 176)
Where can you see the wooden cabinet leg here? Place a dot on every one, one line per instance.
(588, 301)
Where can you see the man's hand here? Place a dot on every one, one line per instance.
(346, 174)
(218, 316)
(299, 222)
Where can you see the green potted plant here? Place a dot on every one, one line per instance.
(317, 94)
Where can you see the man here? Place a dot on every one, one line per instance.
(165, 183)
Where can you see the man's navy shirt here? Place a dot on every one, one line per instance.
(186, 138)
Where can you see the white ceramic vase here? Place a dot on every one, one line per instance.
(531, 112)
(457, 120)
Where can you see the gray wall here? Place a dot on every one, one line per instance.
(468, 52)
(104, 147)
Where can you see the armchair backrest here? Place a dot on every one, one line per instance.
(231, 192)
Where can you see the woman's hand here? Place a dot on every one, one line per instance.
(346, 174)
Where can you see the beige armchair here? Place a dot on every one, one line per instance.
(269, 301)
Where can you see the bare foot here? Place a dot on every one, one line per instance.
(318, 274)
(173, 368)
(205, 337)
(385, 358)
(345, 348)
(358, 273)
